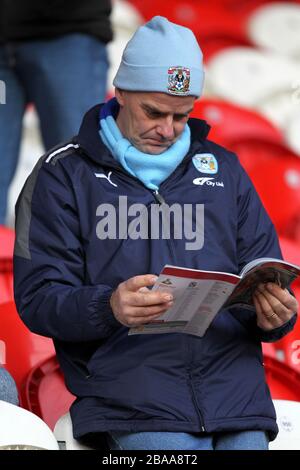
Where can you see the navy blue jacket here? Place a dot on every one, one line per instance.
(64, 277)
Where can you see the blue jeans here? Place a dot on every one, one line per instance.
(243, 440)
(8, 389)
(62, 77)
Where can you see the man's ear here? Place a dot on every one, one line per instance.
(119, 96)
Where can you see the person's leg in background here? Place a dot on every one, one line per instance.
(243, 440)
(8, 389)
(12, 108)
(118, 440)
(64, 77)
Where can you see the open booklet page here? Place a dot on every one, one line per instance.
(198, 296)
(261, 271)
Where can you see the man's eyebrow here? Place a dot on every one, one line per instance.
(151, 109)
(187, 112)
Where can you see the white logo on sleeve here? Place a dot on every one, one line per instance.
(208, 182)
(102, 175)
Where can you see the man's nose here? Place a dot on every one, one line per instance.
(166, 128)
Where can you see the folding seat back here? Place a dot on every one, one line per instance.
(46, 392)
(278, 184)
(7, 237)
(231, 124)
(283, 381)
(20, 349)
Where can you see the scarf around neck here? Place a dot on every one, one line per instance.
(151, 169)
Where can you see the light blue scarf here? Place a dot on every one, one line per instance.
(152, 170)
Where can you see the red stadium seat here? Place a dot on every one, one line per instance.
(291, 252)
(269, 350)
(278, 184)
(207, 17)
(184, 12)
(46, 393)
(283, 381)
(21, 350)
(242, 9)
(211, 22)
(6, 286)
(232, 124)
(253, 152)
(212, 45)
(7, 239)
(217, 23)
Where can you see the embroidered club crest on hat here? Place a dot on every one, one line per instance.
(206, 163)
(178, 80)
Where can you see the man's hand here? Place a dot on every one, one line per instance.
(134, 304)
(274, 306)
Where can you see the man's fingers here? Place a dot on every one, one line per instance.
(274, 305)
(142, 316)
(144, 299)
(133, 312)
(268, 311)
(283, 295)
(267, 318)
(144, 289)
(133, 303)
(136, 293)
(135, 283)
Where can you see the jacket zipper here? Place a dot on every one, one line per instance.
(196, 403)
(160, 200)
(158, 197)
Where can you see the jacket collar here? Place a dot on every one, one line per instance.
(91, 144)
